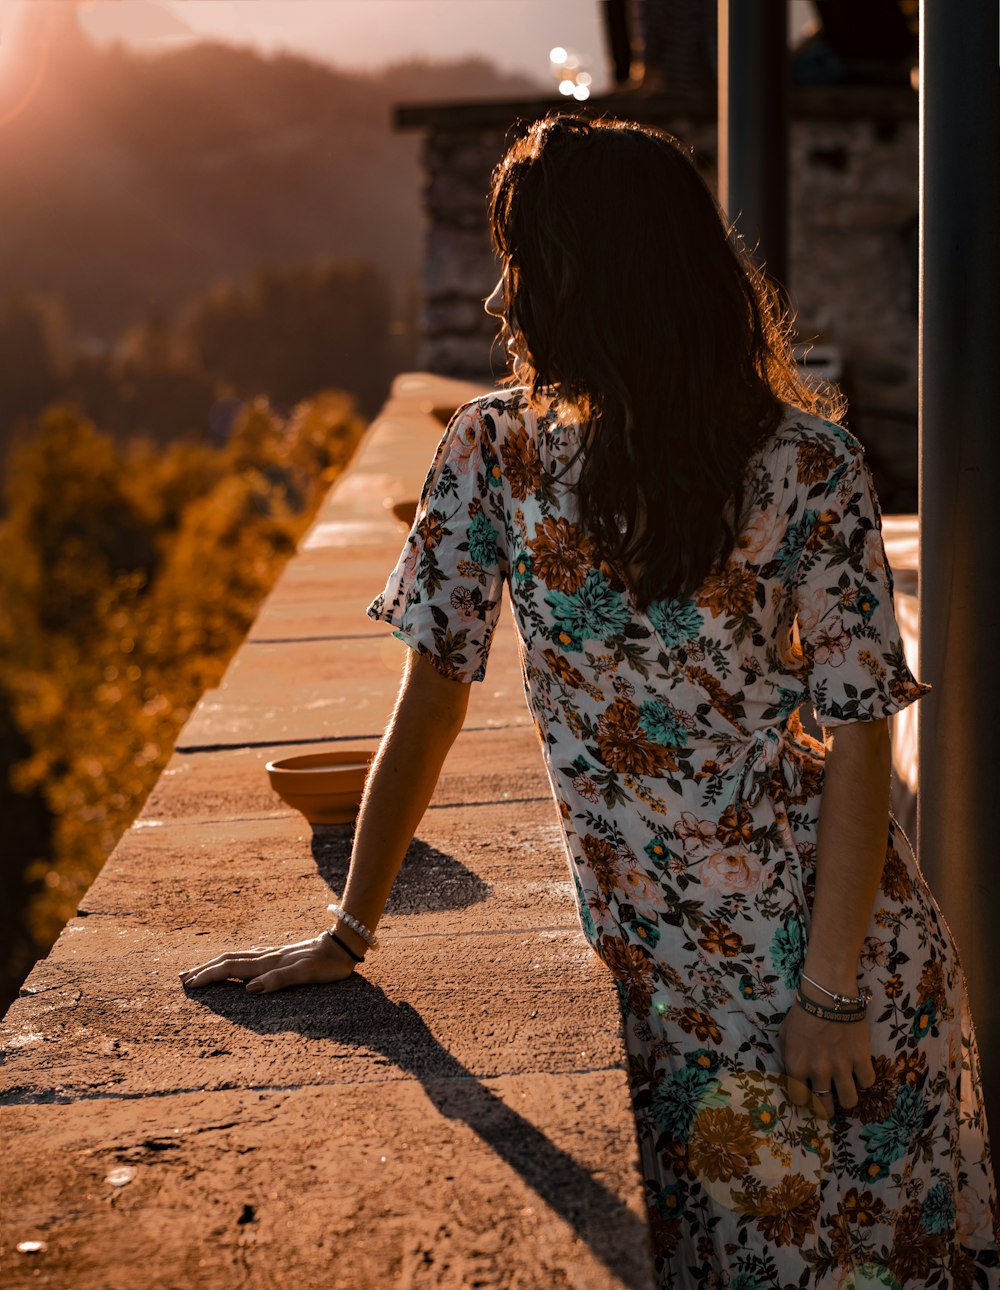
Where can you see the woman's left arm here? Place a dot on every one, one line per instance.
(850, 853)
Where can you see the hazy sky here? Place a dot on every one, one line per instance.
(514, 34)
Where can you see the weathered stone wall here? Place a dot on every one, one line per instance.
(459, 270)
(853, 269)
(852, 253)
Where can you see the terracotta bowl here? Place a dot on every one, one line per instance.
(325, 786)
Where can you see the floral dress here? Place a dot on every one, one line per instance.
(689, 795)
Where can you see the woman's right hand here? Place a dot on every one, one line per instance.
(312, 962)
(823, 1058)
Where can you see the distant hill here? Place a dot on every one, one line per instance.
(131, 181)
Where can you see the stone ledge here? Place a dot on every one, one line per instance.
(434, 1123)
(440, 1182)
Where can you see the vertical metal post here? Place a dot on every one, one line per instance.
(959, 748)
(753, 81)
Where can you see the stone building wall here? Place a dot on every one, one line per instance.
(853, 270)
(852, 252)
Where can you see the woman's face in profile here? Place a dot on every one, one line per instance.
(495, 307)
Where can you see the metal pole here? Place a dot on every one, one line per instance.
(753, 81)
(959, 741)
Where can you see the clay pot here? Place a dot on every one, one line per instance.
(325, 786)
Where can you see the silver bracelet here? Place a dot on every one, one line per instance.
(862, 1000)
(368, 936)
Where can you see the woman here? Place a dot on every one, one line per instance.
(691, 554)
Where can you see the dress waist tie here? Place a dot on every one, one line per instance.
(765, 751)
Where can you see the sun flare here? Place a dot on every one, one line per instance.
(24, 43)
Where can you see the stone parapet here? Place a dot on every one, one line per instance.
(458, 1115)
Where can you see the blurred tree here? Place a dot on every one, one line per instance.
(35, 349)
(151, 344)
(294, 331)
(27, 826)
(72, 520)
(288, 333)
(129, 576)
(145, 385)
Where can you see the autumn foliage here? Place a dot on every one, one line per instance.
(128, 576)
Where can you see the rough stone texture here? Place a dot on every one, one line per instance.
(346, 681)
(457, 1116)
(852, 246)
(853, 256)
(460, 268)
(430, 1181)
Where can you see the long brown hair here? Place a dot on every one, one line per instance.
(633, 306)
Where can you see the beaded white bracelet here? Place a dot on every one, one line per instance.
(863, 999)
(366, 935)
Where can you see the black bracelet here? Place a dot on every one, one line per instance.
(828, 1014)
(358, 958)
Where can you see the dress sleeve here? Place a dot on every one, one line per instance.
(443, 597)
(852, 647)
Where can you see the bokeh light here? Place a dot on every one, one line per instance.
(570, 72)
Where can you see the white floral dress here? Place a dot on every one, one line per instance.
(690, 794)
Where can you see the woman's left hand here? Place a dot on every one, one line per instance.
(824, 1055)
(313, 962)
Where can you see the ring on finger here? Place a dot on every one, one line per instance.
(822, 1092)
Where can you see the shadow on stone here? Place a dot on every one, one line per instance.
(429, 880)
(358, 1012)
